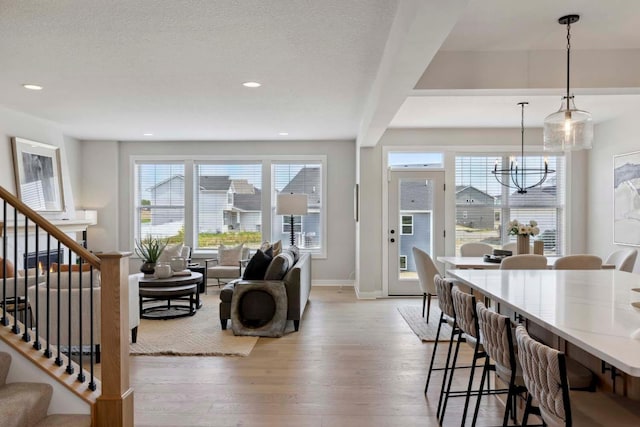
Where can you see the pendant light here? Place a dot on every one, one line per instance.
(517, 177)
(568, 129)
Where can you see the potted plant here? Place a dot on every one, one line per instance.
(149, 250)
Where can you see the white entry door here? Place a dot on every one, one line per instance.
(416, 218)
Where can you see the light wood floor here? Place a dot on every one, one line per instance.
(353, 363)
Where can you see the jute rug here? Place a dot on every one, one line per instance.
(425, 331)
(198, 335)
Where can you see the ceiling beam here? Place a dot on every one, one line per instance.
(419, 29)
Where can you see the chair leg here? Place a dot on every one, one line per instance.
(485, 374)
(428, 306)
(527, 410)
(223, 323)
(476, 356)
(446, 369)
(134, 335)
(97, 353)
(433, 354)
(296, 325)
(453, 368)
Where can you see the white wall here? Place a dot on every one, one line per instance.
(618, 136)
(107, 186)
(370, 279)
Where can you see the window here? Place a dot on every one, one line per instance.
(228, 198)
(299, 178)
(159, 201)
(407, 224)
(206, 203)
(286, 224)
(484, 207)
(403, 262)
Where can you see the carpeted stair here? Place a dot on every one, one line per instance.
(26, 404)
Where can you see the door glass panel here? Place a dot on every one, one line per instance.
(415, 212)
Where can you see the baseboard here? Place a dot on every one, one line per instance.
(333, 283)
(367, 294)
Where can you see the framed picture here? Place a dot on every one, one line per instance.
(38, 175)
(626, 199)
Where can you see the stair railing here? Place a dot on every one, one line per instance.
(50, 312)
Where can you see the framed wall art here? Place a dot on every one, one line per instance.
(38, 175)
(626, 199)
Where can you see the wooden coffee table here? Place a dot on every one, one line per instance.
(175, 288)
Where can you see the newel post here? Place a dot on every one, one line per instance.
(114, 407)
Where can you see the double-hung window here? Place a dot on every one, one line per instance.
(484, 207)
(159, 200)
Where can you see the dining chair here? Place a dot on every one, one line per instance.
(464, 306)
(544, 371)
(426, 272)
(448, 316)
(524, 262)
(623, 259)
(511, 246)
(578, 262)
(475, 249)
(499, 343)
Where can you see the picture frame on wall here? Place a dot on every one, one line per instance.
(626, 199)
(38, 175)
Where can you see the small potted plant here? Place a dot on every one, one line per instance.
(149, 250)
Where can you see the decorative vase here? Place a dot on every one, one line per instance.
(538, 247)
(523, 244)
(148, 268)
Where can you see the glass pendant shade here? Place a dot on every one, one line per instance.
(568, 129)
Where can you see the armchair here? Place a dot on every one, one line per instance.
(220, 269)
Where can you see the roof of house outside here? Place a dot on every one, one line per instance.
(306, 181)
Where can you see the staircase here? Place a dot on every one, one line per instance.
(26, 404)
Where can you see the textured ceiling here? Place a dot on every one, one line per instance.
(118, 69)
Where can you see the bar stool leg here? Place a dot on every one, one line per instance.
(446, 369)
(453, 368)
(433, 354)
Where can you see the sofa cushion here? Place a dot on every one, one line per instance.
(279, 266)
(257, 266)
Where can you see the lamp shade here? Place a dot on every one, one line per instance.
(568, 129)
(291, 204)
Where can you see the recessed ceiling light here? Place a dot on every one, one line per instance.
(251, 84)
(32, 86)
(283, 133)
(148, 134)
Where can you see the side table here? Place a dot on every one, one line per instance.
(198, 268)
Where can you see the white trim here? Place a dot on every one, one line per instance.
(368, 294)
(333, 283)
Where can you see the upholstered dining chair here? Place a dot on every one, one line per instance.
(475, 249)
(426, 272)
(623, 259)
(545, 375)
(578, 262)
(448, 316)
(524, 262)
(511, 246)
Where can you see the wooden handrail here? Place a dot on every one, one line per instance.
(50, 228)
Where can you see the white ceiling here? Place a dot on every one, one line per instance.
(119, 69)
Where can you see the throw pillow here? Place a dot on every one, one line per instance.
(295, 251)
(170, 251)
(257, 266)
(279, 267)
(265, 245)
(229, 256)
(277, 248)
(10, 269)
(65, 267)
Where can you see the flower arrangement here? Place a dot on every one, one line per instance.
(517, 228)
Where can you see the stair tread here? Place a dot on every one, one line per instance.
(65, 420)
(24, 404)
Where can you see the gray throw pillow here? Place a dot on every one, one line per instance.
(279, 267)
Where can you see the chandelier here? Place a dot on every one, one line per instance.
(568, 129)
(519, 177)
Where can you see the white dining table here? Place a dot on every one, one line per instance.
(592, 309)
(479, 262)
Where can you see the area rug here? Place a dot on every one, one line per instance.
(425, 331)
(198, 335)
